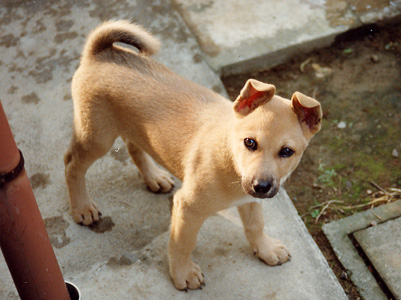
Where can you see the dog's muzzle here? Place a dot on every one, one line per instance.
(261, 189)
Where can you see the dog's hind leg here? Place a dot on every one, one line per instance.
(88, 144)
(156, 179)
(268, 249)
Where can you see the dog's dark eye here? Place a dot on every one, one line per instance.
(251, 144)
(286, 152)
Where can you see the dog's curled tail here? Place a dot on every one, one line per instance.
(122, 31)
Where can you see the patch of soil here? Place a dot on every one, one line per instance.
(103, 225)
(358, 82)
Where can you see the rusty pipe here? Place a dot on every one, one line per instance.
(23, 238)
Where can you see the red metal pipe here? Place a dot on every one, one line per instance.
(23, 238)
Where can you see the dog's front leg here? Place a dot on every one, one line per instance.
(268, 249)
(187, 218)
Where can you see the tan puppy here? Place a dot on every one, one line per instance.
(223, 152)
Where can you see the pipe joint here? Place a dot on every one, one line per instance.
(10, 176)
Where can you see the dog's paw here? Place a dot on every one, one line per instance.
(187, 276)
(86, 214)
(272, 251)
(159, 181)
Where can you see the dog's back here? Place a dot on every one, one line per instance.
(136, 90)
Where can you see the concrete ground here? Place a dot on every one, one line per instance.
(124, 257)
(265, 33)
(378, 234)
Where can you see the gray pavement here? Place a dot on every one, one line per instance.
(231, 271)
(382, 244)
(378, 234)
(125, 257)
(265, 33)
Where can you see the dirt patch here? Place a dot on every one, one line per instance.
(56, 229)
(31, 98)
(120, 154)
(103, 225)
(39, 180)
(357, 152)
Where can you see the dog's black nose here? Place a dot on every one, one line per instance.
(261, 187)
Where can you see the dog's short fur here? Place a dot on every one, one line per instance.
(223, 152)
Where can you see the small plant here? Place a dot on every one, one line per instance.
(315, 213)
(327, 175)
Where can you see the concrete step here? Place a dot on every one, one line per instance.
(374, 267)
(243, 36)
(231, 271)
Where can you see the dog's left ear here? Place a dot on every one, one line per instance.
(254, 94)
(308, 111)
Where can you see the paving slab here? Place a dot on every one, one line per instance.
(340, 233)
(231, 271)
(243, 36)
(40, 45)
(382, 245)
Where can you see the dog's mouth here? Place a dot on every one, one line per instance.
(271, 194)
(260, 188)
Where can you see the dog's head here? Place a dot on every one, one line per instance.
(270, 135)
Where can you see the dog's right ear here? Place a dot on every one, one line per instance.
(254, 94)
(308, 111)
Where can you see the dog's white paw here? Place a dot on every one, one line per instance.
(86, 214)
(272, 251)
(187, 276)
(159, 181)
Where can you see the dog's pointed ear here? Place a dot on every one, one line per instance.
(308, 111)
(254, 94)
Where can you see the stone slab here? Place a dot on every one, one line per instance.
(382, 245)
(243, 36)
(40, 46)
(338, 235)
(231, 271)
